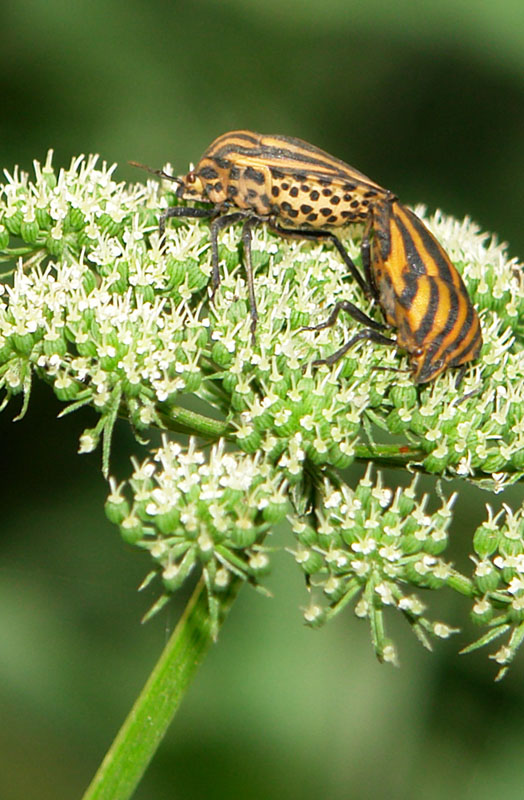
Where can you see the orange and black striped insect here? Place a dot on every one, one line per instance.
(301, 191)
(277, 180)
(419, 291)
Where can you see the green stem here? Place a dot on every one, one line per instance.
(389, 454)
(186, 421)
(149, 719)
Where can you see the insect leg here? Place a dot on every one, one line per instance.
(182, 211)
(249, 225)
(365, 250)
(358, 337)
(353, 311)
(216, 226)
(313, 235)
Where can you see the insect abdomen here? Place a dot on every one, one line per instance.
(421, 293)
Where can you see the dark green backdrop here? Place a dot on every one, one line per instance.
(428, 99)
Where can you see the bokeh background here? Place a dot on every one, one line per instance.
(428, 99)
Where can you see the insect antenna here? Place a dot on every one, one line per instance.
(159, 172)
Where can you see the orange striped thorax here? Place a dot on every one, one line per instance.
(421, 293)
(282, 177)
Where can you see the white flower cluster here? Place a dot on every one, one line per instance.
(114, 316)
(119, 318)
(498, 580)
(209, 513)
(368, 544)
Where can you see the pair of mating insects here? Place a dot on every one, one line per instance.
(301, 191)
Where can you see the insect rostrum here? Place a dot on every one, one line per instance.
(299, 190)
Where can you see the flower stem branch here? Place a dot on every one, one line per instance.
(151, 715)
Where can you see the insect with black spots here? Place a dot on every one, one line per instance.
(294, 187)
(300, 191)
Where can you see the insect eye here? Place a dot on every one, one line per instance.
(190, 177)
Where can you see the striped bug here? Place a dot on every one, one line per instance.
(419, 291)
(278, 180)
(299, 191)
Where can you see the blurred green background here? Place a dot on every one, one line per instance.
(428, 99)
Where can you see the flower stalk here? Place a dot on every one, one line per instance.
(138, 739)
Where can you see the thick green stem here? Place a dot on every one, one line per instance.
(186, 421)
(388, 455)
(149, 719)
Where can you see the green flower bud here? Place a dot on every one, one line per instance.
(517, 459)
(436, 465)
(436, 543)
(55, 247)
(131, 388)
(174, 576)
(88, 348)
(108, 225)
(231, 257)
(43, 219)
(66, 389)
(396, 424)
(334, 588)
(510, 546)
(261, 422)
(176, 272)
(243, 535)
(230, 381)
(48, 174)
(486, 577)
(22, 343)
(131, 529)
(4, 237)
(307, 535)
(29, 231)
(310, 561)
(221, 355)
(406, 503)
(196, 279)
(192, 381)
(410, 544)
(147, 293)
(259, 564)
(482, 612)
(403, 396)
(286, 422)
(13, 222)
(376, 398)
(275, 512)
(338, 458)
(298, 319)
(240, 401)
(316, 456)
(89, 281)
(485, 541)
(314, 616)
(168, 521)
(418, 424)
(348, 367)
(249, 441)
(117, 509)
(76, 219)
(55, 346)
(516, 610)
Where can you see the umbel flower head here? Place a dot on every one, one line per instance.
(192, 511)
(113, 316)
